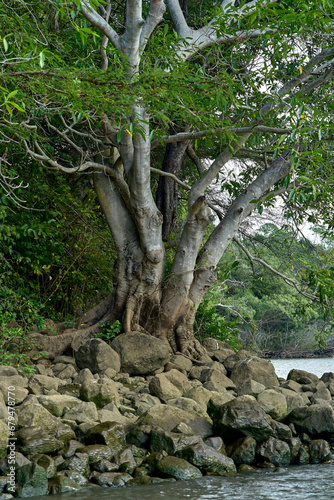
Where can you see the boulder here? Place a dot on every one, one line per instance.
(216, 376)
(101, 392)
(302, 377)
(314, 419)
(143, 402)
(78, 462)
(319, 451)
(83, 412)
(273, 403)
(242, 451)
(178, 468)
(189, 405)
(35, 415)
(182, 362)
(97, 356)
(178, 379)
(56, 403)
(111, 434)
(207, 458)
(47, 463)
(231, 360)
(140, 354)
(168, 417)
(171, 442)
(62, 484)
(32, 480)
(163, 388)
(37, 440)
(242, 415)
(200, 395)
(41, 384)
(254, 368)
(275, 451)
(112, 478)
(97, 452)
(251, 387)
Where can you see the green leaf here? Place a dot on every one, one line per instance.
(41, 59)
(5, 44)
(11, 94)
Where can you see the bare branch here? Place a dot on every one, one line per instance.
(172, 176)
(288, 281)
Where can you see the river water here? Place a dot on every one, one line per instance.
(303, 482)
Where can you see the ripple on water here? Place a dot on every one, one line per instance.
(304, 482)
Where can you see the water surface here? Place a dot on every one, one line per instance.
(318, 366)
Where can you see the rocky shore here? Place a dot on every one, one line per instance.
(132, 413)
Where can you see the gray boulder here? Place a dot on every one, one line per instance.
(242, 415)
(275, 451)
(178, 468)
(207, 458)
(168, 417)
(319, 451)
(98, 356)
(302, 377)
(273, 403)
(242, 451)
(254, 368)
(140, 354)
(314, 419)
(101, 392)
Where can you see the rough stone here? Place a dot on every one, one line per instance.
(319, 451)
(242, 451)
(216, 376)
(182, 362)
(168, 417)
(273, 403)
(108, 433)
(178, 468)
(163, 388)
(39, 384)
(207, 458)
(32, 480)
(251, 387)
(230, 361)
(302, 377)
(274, 450)
(140, 354)
(254, 368)
(314, 419)
(189, 405)
(97, 452)
(62, 484)
(35, 415)
(243, 415)
(97, 355)
(101, 392)
(56, 404)
(47, 463)
(83, 412)
(37, 440)
(171, 442)
(78, 462)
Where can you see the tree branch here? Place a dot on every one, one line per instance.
(96, 20)
(154, 17)
(288, 281)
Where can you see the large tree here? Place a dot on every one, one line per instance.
(243, 87)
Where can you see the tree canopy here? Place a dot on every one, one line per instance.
(187, 117)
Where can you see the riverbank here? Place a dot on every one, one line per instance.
(297, 353)
(132, 413)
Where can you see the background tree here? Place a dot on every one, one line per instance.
(248, 83)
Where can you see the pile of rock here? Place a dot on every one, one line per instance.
(132, 413)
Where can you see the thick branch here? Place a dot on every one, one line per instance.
(96, 20)
(155, 16)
